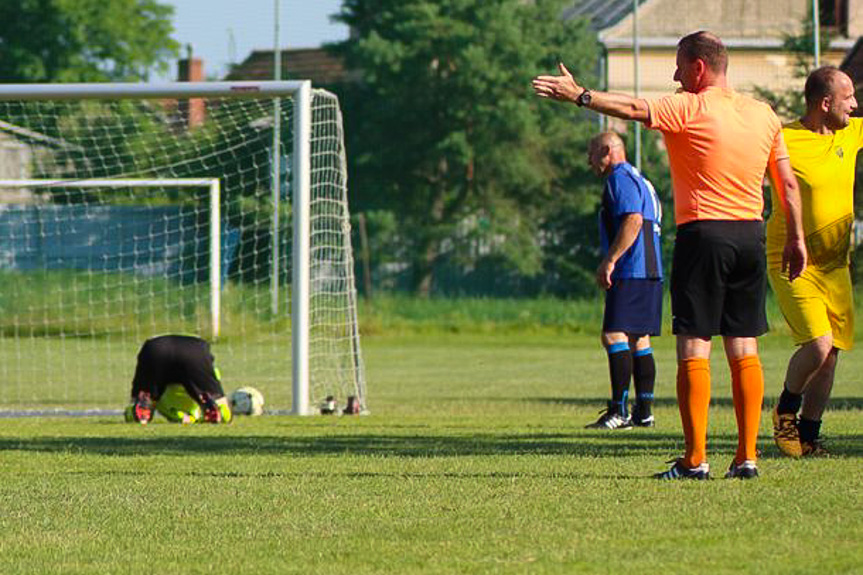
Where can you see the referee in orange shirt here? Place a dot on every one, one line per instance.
(719, 146)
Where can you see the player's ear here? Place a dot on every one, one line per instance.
(700, 67)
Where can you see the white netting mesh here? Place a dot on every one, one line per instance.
(88, 272)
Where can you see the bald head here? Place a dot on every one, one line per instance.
(830, 99)
(708, 48)
(822, 83)
(610, 139)
(606, 151)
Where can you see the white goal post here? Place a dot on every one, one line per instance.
(139, 137)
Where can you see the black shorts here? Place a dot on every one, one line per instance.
(179, 359)
(719, 279)
(633, 306)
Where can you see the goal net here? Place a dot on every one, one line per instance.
(215, 209)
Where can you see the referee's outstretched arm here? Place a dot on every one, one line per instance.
(564, 88)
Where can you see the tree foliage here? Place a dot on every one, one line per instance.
(84, 40)
(790, 104)
(445, 129)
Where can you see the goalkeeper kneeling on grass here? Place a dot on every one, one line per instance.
(175, 376)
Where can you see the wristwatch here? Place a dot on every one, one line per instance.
(583, 99)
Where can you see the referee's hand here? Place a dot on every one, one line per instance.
(794, 258)
(562, 88)
(603, 274)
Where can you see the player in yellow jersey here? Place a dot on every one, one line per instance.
(817, 306)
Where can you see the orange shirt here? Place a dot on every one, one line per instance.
(719, 145)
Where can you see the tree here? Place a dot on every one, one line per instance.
(84, 40)
(790, 104)
(445, 129)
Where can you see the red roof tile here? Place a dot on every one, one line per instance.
(315, 64)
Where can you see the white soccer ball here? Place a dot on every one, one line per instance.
(247, 401)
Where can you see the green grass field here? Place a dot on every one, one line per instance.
(474, 460)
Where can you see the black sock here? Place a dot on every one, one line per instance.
(789, 402)
(644, 378)
(620, 371)
(809, 430)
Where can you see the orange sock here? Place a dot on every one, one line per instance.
(747, 388)
(693, 400)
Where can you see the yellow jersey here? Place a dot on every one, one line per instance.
(824, 167)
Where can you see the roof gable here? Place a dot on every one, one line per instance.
(741, 22)
(315, 64)
(602, 14)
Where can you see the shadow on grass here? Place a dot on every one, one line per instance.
(576, 444)
(600, 402)
(397, 445)
(836, 403)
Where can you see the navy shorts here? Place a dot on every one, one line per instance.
(634, 307)
(719, 279)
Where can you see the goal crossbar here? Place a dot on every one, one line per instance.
(215, 218)
(125, 91)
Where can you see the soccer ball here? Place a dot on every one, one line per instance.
(247, 401)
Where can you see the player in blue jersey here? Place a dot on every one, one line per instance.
(631, 275)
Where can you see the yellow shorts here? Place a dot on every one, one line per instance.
(816, 304)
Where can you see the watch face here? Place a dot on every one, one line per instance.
(584, 98)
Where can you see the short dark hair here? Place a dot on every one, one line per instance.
(819, 85)
(703, 45)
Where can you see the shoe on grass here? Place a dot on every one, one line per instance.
(217, 410)
(785, 433)
(680, 471)
(648, 421)
(813, 449)
(611, 419)
(141, 409)
(745, 470)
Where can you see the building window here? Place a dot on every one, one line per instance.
(833, 15)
